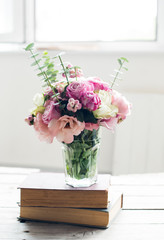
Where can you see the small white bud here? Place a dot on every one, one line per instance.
(38, 99)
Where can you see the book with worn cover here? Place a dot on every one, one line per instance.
(101, 218)
(49, 190)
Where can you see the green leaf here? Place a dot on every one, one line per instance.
(55, 95)
(49, 72)
(88, 116)
(80, 116)
(86, 153)
(41, 67)
(29, 47)
(77, 67)
(50, 65)
(124, 59)
(119, 61)
(54, 73)
(58, 55)
(34, 55)
(53, 80)
(36, 62)
(41, 74)
(45, 53)
(46, 64)
(125, 68)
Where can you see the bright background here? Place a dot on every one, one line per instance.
(137, 146)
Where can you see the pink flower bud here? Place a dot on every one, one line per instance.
(73, 105)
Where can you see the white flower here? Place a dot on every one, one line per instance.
(38, 99)
(106, 109)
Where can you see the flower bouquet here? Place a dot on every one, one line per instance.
(71, 109)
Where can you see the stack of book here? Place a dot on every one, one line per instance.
(46, 197)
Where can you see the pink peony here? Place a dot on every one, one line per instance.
(65, 128)
(123, 105)
(90, 100)
(42, 129)
(98, 84)
(91, 126)
(51, 111)
(77, 88)
(108, 123)
(73, 105)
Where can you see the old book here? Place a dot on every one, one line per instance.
(82, 216)
(50, 190)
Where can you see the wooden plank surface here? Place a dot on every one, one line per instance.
(140, 192)
(154, 179)
(15, 170)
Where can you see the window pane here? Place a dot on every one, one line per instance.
(95, 20)
(6, 16)
(11, 21)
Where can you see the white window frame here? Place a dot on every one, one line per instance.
(18, 35)
(125, 46)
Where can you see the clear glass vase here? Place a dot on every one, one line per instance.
(80, 159)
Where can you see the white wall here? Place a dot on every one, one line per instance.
(19, 145)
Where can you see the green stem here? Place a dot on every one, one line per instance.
(44, 75)
(117, 75)
(64, 69)
(76, 73)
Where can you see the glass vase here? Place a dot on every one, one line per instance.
(80, 159)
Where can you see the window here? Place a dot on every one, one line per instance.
(12, 21)
(95, 20)
(88, 24)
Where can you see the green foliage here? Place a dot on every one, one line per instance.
(36, 62)
(89, 117)
(121, 62)
(29, 47)
(124, 59)
(64, 69)
(82, 115)
(45, 66)
(35, 55)
(81, 154)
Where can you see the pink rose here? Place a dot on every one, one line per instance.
(42, 129)
(65, 128)
(77, 88)
(91, 126)
(90, 100)
(51, 111)
(109, 123)
(98, 84)
(123, 105)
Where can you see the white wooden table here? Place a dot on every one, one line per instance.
(142, 217)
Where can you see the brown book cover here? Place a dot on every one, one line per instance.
(50, 190)
(101, 218)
